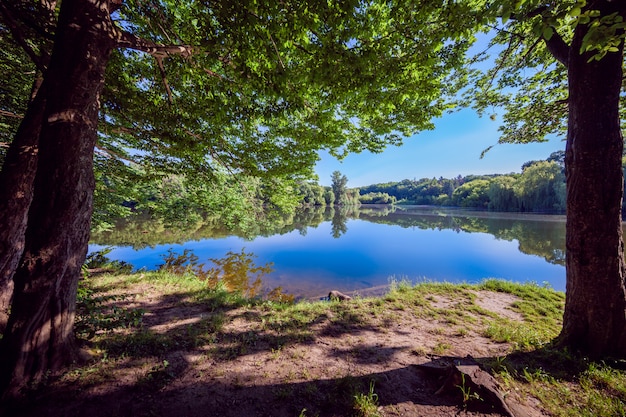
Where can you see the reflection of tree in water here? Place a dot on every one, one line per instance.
(144, 232)
(535, 236)
(339, 220)
(544, 238)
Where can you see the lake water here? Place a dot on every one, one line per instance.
(366, 248)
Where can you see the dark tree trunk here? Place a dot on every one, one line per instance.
(39, 336)
(16, 194)
(595, 307)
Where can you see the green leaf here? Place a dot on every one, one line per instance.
(548, 32)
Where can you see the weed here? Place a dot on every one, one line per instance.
(276, 353)
(441, 347)
(462, 332)
(235, 272)
(466, 391)
(522, 335)
(438, 331)
(366, 405)
(419, 351)
(158, 376)
(99, 260)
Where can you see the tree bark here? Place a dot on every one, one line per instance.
(39, 336)
(20, 166)
(16, 194)
(594, 320)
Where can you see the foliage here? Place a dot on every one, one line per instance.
(15, 90)
(312, 194)
(339, 187)
(235, 272)
(183, 200)
(377, 198)
(264, 94)
(472, 194)
(516, 74)
(503, 194)
(99, 260)
(539, 188)
(95, 315)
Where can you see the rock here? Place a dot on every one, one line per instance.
(336, 295)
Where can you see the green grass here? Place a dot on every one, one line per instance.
(366, 404)
(566, 385)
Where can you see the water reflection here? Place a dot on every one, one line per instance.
(541, 235)
(347, 248)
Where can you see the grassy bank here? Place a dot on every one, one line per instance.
(321, 358)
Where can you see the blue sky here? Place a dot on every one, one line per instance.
(452, 148)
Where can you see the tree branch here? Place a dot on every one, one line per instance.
(10, 114)
(558, 48)
(166, 84)
(39, 61)
(556, 45)
(128, 40)
(108, 153)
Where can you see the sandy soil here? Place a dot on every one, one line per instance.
(254, 367)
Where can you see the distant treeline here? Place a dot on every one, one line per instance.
(540, 187)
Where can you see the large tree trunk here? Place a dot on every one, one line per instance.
(39, 336)
(16, 194)
(20, 166)
(595, 307)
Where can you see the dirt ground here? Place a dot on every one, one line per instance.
(253, 367)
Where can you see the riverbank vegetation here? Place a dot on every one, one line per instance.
(182, 201)
(540, 187)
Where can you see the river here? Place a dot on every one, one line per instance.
(355, 250)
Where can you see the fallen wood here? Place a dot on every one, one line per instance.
(473, 384)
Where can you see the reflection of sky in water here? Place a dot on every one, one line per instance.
(367, 255)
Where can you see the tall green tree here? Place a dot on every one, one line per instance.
(250, 87)
(575, 49)
(541, 187)
(339, 186)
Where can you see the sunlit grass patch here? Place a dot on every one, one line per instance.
(521, 335)
(565, 385)
(541, 308)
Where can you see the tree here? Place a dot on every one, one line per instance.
(502, 195)
(541, 187)
(339, 186)
(472, 194)
(577, 51)
(246, 87)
